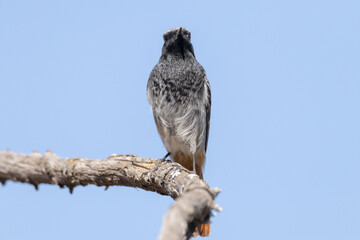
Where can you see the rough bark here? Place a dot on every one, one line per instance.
(194, 198)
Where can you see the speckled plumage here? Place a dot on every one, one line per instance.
(179, 93)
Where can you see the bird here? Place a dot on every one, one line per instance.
(178, 91)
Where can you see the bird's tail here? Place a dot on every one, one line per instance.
(203, 230)
(187, 161)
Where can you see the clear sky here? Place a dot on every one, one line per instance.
(285, 127)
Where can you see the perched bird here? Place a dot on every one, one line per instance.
(179, 93)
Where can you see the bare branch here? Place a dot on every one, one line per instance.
(194, 198)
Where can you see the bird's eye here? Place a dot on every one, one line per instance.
(167, 36)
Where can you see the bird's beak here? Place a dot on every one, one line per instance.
(181, 42)
(179, 33)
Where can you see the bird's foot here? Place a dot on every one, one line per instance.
(164, 158)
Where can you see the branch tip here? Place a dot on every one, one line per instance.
(216, 207)
(71, 188)
(36, 185)
(35, 153)
(3, 181)
(215, 191)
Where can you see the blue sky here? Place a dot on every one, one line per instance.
(285, 127)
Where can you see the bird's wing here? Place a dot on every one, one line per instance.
(208, 111)
(152, 88)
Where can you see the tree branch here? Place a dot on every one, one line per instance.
(194, 198)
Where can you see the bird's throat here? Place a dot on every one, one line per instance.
(181, 45)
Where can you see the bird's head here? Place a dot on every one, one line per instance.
(177, 42)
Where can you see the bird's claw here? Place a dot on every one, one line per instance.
(164, 158)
